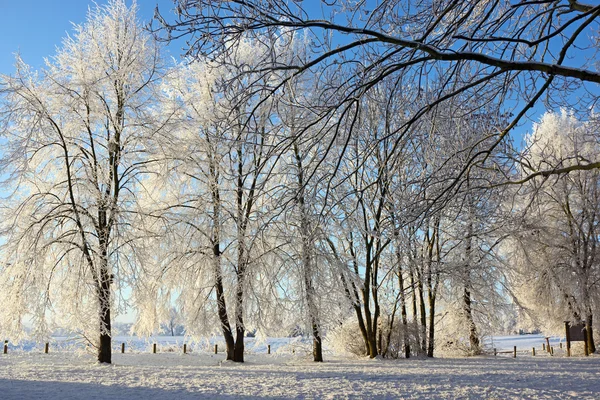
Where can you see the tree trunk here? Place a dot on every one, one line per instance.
(431, 344)
(405, 330)
(415, 314)
(467, 302)
(103, 290)
(216, 254)
(423, 317)
(222, 308)
(403, 312)
(238, 351)
(317, 345)
(473, 336)
(590, 333)
(307, 260)
(104, 345)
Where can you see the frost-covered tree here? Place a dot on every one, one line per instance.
(218, 173)
(556, 248)
(76, 137)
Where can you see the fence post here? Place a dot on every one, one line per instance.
(533, 351)
(268, 349)
(46, 348)
(568, 338)
(184, 348)
(495, 352)
(6, 347)
(560, 345)
(515, 352)
(216, 349)
(122, 348)
(544, 346)
(551, 351)
(154, 348)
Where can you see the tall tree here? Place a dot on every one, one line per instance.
(77, 134)
(556, 247)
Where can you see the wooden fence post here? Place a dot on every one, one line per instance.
(154, 348)
(216, 349)
(122, 348)
(268, 349)
(515, 352)
(560, 345)
(46, 348)
(568, 338)
(551, 351)
(495, 352)
(184, 348)
(533, 351)
(6, 347)
(544, 346)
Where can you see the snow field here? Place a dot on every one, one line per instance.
(75, 375)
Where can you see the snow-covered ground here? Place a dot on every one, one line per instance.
(73, 374)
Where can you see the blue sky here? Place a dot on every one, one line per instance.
(34, 28)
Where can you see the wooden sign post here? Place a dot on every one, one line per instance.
(576, 333)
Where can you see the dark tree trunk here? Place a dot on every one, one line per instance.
(103, 291)
(423, 318)
(216, 254)
(238, 353)
(222, 310)
(307, 259)
(415, 314)
(590, 333)
(104, 345)
(473, 336)
(431, 344)
(317, 345)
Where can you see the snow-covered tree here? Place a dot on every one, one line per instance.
(76, 137)
(556, 248)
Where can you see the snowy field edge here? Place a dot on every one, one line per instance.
(134, 375)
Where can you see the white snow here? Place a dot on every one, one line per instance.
(73, 374)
